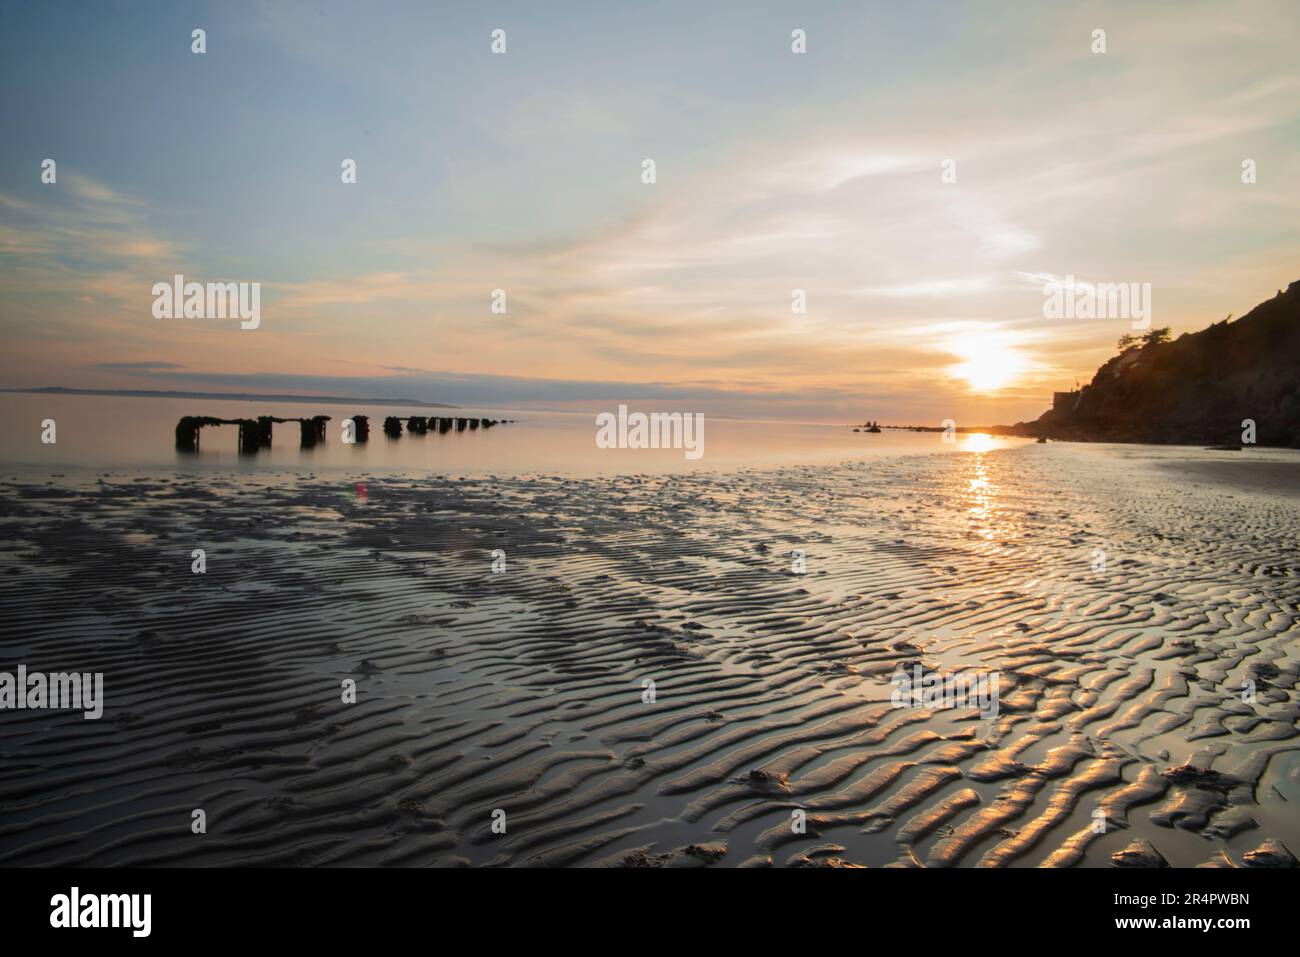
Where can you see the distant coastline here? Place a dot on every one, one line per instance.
(233, 396)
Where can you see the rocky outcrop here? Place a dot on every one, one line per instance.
(1197, 389)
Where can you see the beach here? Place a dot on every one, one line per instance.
(663, 669)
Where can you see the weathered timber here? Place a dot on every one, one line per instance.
(361, 428)
(255, 434)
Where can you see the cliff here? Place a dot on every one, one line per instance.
(1196, 389)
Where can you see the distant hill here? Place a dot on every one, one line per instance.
(235, 397)
(1196, 389)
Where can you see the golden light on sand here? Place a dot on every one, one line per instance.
(987, 364)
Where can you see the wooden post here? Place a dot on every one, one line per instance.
(361, 427)
(250, 436)
(187, 434)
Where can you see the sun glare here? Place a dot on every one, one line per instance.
(987, 364)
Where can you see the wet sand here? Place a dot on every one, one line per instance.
(1120, 685)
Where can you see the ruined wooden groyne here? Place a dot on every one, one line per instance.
(255, 434)
(423, 425)
(250, 432)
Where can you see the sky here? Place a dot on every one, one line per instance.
(774, 172)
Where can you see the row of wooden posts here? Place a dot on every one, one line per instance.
(255, 434)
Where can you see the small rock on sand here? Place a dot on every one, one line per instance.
(1271, 853)
(1141, 853)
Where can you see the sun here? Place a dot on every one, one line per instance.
(987, 363)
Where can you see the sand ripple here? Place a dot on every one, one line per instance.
(1121, 686)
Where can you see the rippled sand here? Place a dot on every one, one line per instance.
(1120, 686)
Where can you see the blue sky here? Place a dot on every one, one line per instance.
(775, 171)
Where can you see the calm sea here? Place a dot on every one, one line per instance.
(97, 432)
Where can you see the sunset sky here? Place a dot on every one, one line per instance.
(522, 171)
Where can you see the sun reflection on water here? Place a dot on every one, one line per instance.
(980, 488)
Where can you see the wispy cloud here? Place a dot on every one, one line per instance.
(776, 174)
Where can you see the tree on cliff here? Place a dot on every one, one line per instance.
(1153, 338)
